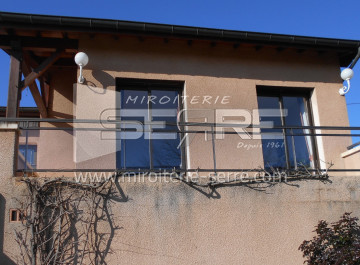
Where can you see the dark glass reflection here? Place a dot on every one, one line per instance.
(273, 147)
(134, 153)
(300, 147)
(296, 150)
(166, 152)
(27, 157)
(156, 148)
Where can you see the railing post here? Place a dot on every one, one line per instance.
(213, 147)
(26, 144)
(293, 147)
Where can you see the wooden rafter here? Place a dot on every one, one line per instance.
(38, 71)
(35, 91)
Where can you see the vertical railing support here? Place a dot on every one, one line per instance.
(213, 147)
(293, 147)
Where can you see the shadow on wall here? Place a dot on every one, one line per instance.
(4, 260)
(76, 229)
(199, 59)
(211, 190)
(103, 78)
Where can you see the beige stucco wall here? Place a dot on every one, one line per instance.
(90, 102)
(10, 195)
(173, 223)
(8, 158)
(352, 160)
(225, 71)
(55, 147)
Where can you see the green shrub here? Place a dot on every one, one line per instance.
(338, 243)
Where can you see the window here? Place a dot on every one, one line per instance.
(145, 142)
(27, 156)
(16, 215)
(289, 148)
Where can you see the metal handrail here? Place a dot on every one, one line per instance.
(203, 124)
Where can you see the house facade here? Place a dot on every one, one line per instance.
(159, 100)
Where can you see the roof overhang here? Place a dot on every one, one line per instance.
(11, 23)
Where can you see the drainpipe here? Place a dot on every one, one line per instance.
(355, 60)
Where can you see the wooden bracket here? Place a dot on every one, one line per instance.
(35, 91)
(38, 71)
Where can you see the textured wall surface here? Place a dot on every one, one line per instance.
(173, 223)
(10, 195)
(7, 152)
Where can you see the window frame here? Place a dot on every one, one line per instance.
(281, 92)
(148, 85)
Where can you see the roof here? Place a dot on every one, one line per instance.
(346, 49)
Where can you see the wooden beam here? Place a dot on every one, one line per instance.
(64, 35)
(35, 43)
(14, 53)
(300, 50)
(14, 93)
(30, 78)
(45, 91)
(35, 91)
(280, 49)
(29, 59)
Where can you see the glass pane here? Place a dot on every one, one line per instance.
(300, 147)
(164, 99)
(166, 152)
(274, 152)
(27, 157)
(134, 99)
(156, 144)
(135, 153)
(133, 144)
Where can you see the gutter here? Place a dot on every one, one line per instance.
(33, 21)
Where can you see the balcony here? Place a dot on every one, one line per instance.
(63, 146)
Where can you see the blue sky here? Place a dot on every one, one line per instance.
(321, 18)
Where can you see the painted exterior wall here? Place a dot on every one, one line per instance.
(222, 71)
(173, 223)
(351, 159)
